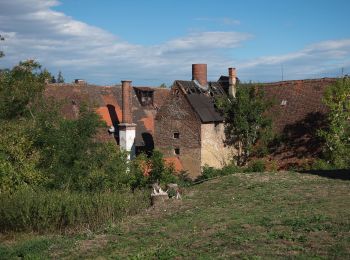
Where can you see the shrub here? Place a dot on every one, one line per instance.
(322, 165)
(146, 171)
(211, 172)
(256, 166)
(29, 210)
(183, 179)
(208, 173)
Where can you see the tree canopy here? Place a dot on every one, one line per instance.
(60, 78)
(337, 133)
(1, 52)
(245, 120)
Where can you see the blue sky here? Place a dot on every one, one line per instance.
(151, 42)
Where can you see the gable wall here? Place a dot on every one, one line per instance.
(176, 115)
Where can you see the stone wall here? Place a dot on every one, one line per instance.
(177, 116)
(213, 151)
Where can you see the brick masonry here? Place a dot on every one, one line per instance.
(177, 116)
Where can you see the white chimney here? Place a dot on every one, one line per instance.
(127, 130)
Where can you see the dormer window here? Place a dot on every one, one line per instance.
(145, 95)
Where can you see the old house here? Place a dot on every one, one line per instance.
(184, 124)
(141, 106)
(188, 125)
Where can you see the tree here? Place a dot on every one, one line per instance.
(337, 133)
(53, 79)
(245, 120)
(163, 85)
(1, 52)
(60, 78)
(20, 88)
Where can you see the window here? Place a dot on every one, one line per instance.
(176, 135)
(177, 151)
(145, 96)
(284, 102)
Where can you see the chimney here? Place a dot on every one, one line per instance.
(232, 78)
(126, 102)
(127, 130)
(199, 73)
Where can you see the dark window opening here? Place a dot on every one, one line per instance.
(176, 135)
(177, 151)
(145, 96)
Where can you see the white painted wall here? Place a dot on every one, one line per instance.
(127, 135)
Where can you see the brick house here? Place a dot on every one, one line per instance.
(107, 101)
(184, 124)
(189, 127)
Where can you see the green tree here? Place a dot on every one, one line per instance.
(163, 85)
(20, 88)
(60, 78)
(337, 133)
(1, 52)
(245, 120)
(18, 157)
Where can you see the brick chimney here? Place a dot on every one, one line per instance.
(232, 78)
(126, 101)
(127, 130)
(199, 73)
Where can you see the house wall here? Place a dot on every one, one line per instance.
(213, 151)
(176, 115)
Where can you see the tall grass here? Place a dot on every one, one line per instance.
(42, 211)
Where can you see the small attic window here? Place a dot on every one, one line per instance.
(145, 96)
(176, 135)
(177, 151)
(284, 102)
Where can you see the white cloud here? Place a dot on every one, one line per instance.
(323, 59)
(34, 30)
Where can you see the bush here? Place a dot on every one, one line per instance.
(211, 172)
(146, 171)
(256, 166)
(322, 165)
(29, 210)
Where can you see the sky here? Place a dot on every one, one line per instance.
(155, 41)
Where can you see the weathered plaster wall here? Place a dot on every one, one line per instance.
(127, 134)
(213, 151)
(176, 115)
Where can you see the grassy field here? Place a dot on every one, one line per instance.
(251, 216)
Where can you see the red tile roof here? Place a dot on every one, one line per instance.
(296, 99)
(107, 101)
(298, 112)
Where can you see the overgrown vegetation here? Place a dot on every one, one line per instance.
(336, 135)
(55, 210)
(246, 122)
(252, 167)
(45, 158)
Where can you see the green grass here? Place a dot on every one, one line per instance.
(249, 216)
